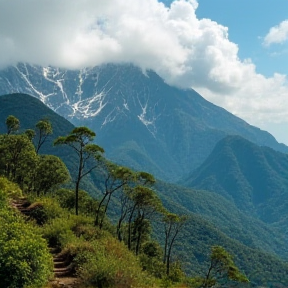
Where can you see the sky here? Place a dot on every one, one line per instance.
(233, 52)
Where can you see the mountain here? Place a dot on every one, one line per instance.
(213, 220)
(140, 120)
(255, 178)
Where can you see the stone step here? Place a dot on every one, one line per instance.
(65, 271)
(61, 264)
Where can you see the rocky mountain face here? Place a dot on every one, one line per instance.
(140, 120)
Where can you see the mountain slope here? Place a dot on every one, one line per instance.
(214, 220)
(255, 178)
(143, 122)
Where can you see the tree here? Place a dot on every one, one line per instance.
(139, 179)
(116, 177)
(12, 123)
(172, 226)
(80, 140)
(222, 269)
(146, 204)
(43, 130)
(50, 172)
(30, 133)
(18, 158)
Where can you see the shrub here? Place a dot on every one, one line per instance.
(45, 209)
(24, 257)
(66, 198)
(3, 199)
(10, 188)
(108, 264)
(58, 232)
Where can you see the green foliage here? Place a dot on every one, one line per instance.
(19, 161)
(66, 199)
(3, 199)
(108, 264)
(116, 178)
(24, 257)
(12, 123)
(50, 172)
(151, 259)
(45, 209)
(145, 205)
(30, 133)
(58, 232)
(222, 269)
(18, 157)
(9, 188)
(61, 227)
(216, 220)
(43, 130)
(218, 216)
(254, 177)
(172, 226)
(88, 154)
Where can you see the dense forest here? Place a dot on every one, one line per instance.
(44, 212)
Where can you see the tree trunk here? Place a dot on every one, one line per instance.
(129, 227)
(77, 196)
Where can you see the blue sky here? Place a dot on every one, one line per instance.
(233, 52)
(248, 23)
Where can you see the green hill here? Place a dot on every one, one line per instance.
(255, 178)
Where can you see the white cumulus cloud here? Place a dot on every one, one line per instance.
(277, 34)
(184, 50)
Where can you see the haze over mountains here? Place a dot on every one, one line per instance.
(140, 120)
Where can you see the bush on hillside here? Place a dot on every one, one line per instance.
(24, 257)
(44, 209)
(107, 264)
(10, 188)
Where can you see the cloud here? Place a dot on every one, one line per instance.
(277, 34)
(184, 50)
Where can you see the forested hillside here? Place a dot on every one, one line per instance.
(210, 220)
(254, 178)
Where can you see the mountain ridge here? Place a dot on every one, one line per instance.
(255, 178)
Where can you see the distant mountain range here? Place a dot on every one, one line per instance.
(142, 121)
